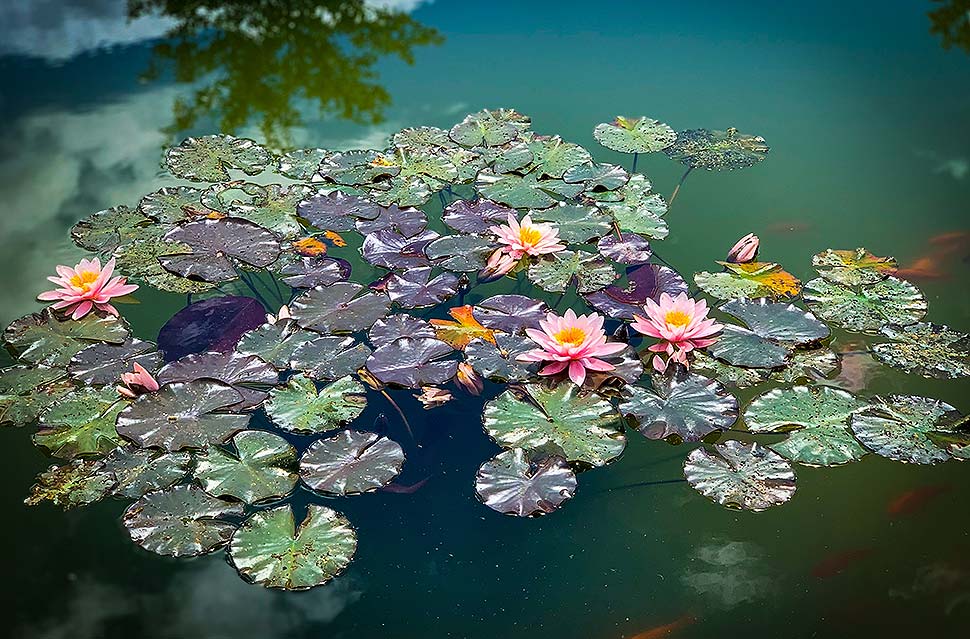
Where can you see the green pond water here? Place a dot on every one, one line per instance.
(868, 119)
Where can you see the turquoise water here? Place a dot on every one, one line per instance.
(868, 119)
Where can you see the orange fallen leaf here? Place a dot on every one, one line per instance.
(310, 247)
(459, 333)
(775, 281)
(335, 238)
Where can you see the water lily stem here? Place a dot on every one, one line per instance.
(262, 300)
(673, 196)
(400, 412)
(635, 157)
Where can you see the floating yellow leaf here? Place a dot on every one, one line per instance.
(335, 238)
(310, 247)
(458, 333)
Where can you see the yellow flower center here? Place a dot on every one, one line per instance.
(572, 336)
(529, 236)
(84, 279)
(677, 318)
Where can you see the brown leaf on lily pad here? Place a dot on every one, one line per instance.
(464, 329)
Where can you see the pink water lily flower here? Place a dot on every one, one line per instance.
(85, 287)
(137, 383)
(744, 250)
(571, 342)
(680, 323)
(527, 238)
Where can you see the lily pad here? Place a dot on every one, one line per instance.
(852, 268)
(475, 216)
(809, 364)
(248, 375)
(868, 309)
(214, 324)
(182, 415)
(357, 168)
(172, 204)
(634, 135)
(496, 361)
(351, 462)
(25, 391)
(301, 164)
(81, 424)
(208, 158)
(217, 246)
(392, 250)
(776, 328)
(552, 156)
(482, 129)
(628, 248)
(143, 470)
(260, 466)
(101, 364)
(716, 150)
(387, 330)
(900, 427)
(740, 347)
(275, 343)
(183, 521)
(330, 357)
(930, 350)
(269, 550)
(645, 281)
(106, 230)
(310, 272)
(45, 338)
(683, 408)
(462, 253)
(140, 260)
(577, 224)
(276, 210)
(416, 289)
(78, 483)
(513, 484)
(336, 211)
(339, 308)
(510, 313)
(413, 362)
(749, 280)
(740, 475)
(728, 374)
(422, 137)
(597, 178)
(407, 221)
(528, 191)
(300, 408)
(585, 428)
(590, 272)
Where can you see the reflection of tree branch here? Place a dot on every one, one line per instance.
(951, 21)
(255, 59)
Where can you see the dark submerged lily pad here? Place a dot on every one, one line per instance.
(716, 150)
(215, 324)
(351, 462)
(513, 484)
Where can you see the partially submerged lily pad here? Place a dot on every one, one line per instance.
(182, 415)
(300, 408)
(143, 470)
(81, 424)
(868, 308)
(930, 350)
(47, 339)
(259, 466)
(351, 462)
(512, 483)
(716, 150)
(852, 268)
(79, 483)
(101, 364)
(413, 362)
(183, 521)
(634, 135)
(900, 427)
(208, 158)
(214, 324)
(584, 427)
(269, 550)
(339, 308)
(735, 474)
(684, 408)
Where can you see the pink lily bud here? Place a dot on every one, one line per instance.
(469, 379)
(745, 249)
(659, 364)
(137, 383)
(499, 263)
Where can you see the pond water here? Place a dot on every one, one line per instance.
(868, 119)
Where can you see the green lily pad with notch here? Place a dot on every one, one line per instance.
(25, 391)
(208, 158)
(44, 338)
(552, 157)
(101, 364)
(681, 408)
(269, 550)
(183, 521)
(81, 424)
(868, 309)
(524, 191)
(634, 135)
(739, 475)
(140, 260)
(342, 307)
(853, 268)
(173, 204)
(775, 330)
(351, 462)
(819, 417)
(584, 427)
(576, 224)
(78, 483)
(402, 191)
(597, 179)
(901, 427)
(256, 466)
(330, 357)
(276, 210)
(182, 415)
(515, 483)
(299, 408)
(930, 350)
(749, 280)
(717, 150)
(590, 271)
(482, 129)
(143, 470)
(498, 363)
(106, 230)
(301, 164)
(275, 343)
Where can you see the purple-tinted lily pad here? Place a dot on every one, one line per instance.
(391, 249)
(330, 357)
(475, 216)
(646, 281)
(337, 211)
(214, 324)
(413, 362)
(339, 308)
(407, 221)
(390, 328)
(629, 248)
(101, 364)
(216, 247)
(416, 289)
(356, 168)
(462, 253)
(245, 373)
(310, 272)
(510, 313)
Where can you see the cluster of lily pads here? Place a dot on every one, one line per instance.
(282, 345)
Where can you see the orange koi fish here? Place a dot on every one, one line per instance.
(912, 501)
(667, 629)
(838, 563)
